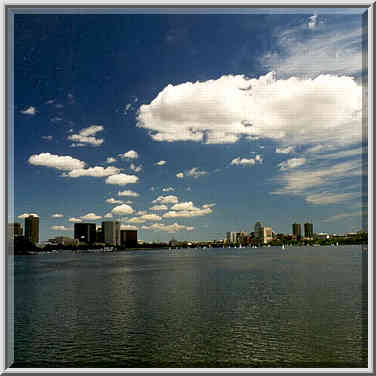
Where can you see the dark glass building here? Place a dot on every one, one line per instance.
(128, 238)
(297, 230)
(308, 230)
(85, 232)
(32, 229)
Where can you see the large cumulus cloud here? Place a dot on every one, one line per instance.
(290, 111)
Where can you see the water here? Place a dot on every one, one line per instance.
(220, 308)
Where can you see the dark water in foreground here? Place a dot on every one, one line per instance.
(192, 308)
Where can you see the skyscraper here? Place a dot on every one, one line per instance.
(32, 229)
(297, 230)
(85, 232)
(259, 230)
(111, 232)
(308, 230)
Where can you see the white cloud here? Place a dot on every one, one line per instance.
(128, 193)
(141, 212)
(91, 216)
(231, 107)
(243, 161)
(29, 111)
(160, 163)
(145, 218)
(123, 209)
(135, 168)
(108, 215)
(286, 150)
(159, 207)
(131, 154)
(61, 228)
(298, 181)
(60, 162)
(113, 201)
(168, 189)
(122, 179)
(184, 206)
(97, 171)
(334, 51)
(326, 198)
(208, 206)
(180, 175)
(75, 220)
(195, 172)
(312, 22)
(110, 160)
(187, 213)
(87, 136)
(292, 163)
(335, 155)
(48, 138)
(25, 215)
(127, 108)
(341, 216)
(168, 228)
(166, 200)
(128, 227)
(57, 215)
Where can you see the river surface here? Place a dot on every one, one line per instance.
(264, 307)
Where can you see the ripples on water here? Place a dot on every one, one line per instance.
(192, 308)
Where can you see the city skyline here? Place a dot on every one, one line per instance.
(188, 126)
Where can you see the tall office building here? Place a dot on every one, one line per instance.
(128, 238)
(85, 232)
(111, 232)
(259, 230)
(267, 235)
(308, 230)
(297, 230)
(231, 237)
(32, 229)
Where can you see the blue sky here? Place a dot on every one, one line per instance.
(188, 125)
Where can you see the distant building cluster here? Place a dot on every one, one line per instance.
(264, 234)
(109, 234)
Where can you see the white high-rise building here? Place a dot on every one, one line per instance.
(231, 237)
(111, 232)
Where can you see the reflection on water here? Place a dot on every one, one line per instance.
(192, 308)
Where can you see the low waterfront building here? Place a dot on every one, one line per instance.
(128, 238)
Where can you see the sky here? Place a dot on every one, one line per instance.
(187, 126)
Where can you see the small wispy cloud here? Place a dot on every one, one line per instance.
(195, 172)
(160, 163)
(29, 111)
(341, 216)
(312, 22)
(292, 163)
(326, 198)
(131, 154)
(61, 228)
(57, 215)
(87, 136)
